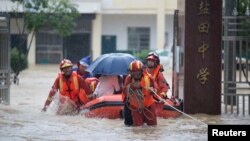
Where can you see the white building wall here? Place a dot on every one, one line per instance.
(117, 16)
(96, 36)
(137, 6)
(169, 21)
(118, 25)
(16, 25)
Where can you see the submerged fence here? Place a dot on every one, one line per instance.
(242, 106)
(236, 65)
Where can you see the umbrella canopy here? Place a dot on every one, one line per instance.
(111, 64)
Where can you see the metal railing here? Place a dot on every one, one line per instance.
(236, 65)
(242, 106)
(4, 59)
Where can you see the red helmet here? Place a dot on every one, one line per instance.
(65, 63)
(153, 56)
(135, 66)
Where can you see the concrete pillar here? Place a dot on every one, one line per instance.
(96, 36)
(32, 51)
(160, 25)
(202, 56)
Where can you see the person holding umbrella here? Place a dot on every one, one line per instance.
(82, 66)
(70, 86)
(90, 80)
(110, 69)
(138, 96)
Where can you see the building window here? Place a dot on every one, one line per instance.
(138, 38)
(48, 48)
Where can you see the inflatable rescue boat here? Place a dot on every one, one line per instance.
(111, 106)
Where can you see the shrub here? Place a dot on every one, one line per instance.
(141, 55)
(19, 61)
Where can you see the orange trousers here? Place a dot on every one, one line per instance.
(147, 116)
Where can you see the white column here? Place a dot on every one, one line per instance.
(160, 29)
(96, 36)
(32, 51)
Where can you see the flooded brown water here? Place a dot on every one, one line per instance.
(24, 121)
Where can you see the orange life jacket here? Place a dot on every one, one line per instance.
(92, 84)
(155, 72)
(147, 97)
(73, 91)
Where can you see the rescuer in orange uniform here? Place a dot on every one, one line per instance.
(70, 86)
(155, 69)
(137, 94)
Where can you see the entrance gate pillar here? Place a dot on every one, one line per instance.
(201, 42)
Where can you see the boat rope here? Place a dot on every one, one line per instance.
(163, 100)
(139, 97)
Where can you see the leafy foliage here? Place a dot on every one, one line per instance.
(141, 55)
(18, 61)
(242, 6)
(59, 15)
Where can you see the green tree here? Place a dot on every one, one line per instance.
(17, 62)
(141, 55)
(242, 6)
(59, 15)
